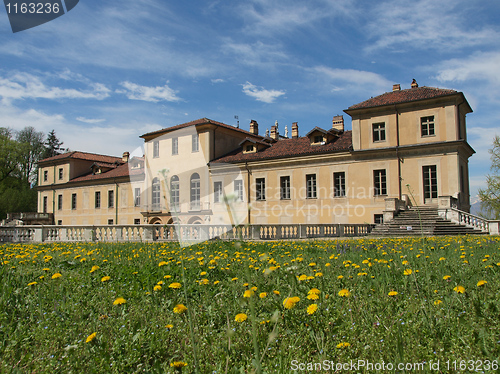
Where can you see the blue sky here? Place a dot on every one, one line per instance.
(109, 71)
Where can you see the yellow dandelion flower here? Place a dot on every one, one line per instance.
(169, 326)
(175, 285)
(262, 295)
(245, 284)
(290, 302)
(442, 258)
(311, 309)
(343, 345)
(446, 277)
(248, 293)
(163, 263)
(90, 337)
(459, 289)
(203, 273)
(407, 272)
(177, 364)
(157, 288)
(437, 302)
(216, 282)
(46, 269)
(314, 291)
(481, 283)
(167, 276)
(392, 293)
(32, 284)
(313, 296)
(106, 278)
(94, 268)
(340, 277)
(318, 274)
(204, 281)
(234, 279)
(276, 292)
(312, 264)
(119, 301)
(240, 317)
(56, 275)
(179, 309)
(303, 277)
(344, 293)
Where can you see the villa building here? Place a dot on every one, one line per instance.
(405, 144)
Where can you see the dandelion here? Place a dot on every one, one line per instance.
(248, 293)
(481, 283)
(276, 292)
(204, 281)
(157, 288)
(56, 275)
(262, 295)
(312, 308)
(162, 263)
(216, 283)
(442, 258)
(234, 279)
(32, 284)
(313, 296)
(203, 273)
(446, 277)
(344, 293)
(340, 277)
(314, 291)
(119, 301)
(167, 276)
(94, 268)
(90, 337)
(106, 278)
(437, 302)
(178, 364)
(392, 293)
(290, 302)
(175, 285)
(46, 269)
(169, 326)
(179, 309)
(407, 272)
(240, 317)
(459, 289)
(303, 277)
(343, 345)
(318, 274)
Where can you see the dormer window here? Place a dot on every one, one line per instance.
(249, 148)
(318, 139)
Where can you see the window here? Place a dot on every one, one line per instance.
(339, 184)
(110, 221)
(311, 186)
(379, 132)
(137, 221)
(59, 202)
(427, 126)
(45, 203)
(379, 182)
(156, 149)
(155, 194)
(137, 197)
(174, 192)
(249, 148)
(73, 201)
(260, 189)
(60, 173)
(238, 190)
(111, 199)
(285, 188)
(195, 190)
(217, 192)
(59, 222)
(97, 199)
(195, 143)
(175, 146)
(430, 182)
(318, 139)
(378, 219)
(45, 175)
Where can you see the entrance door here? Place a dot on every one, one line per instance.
(430, 184)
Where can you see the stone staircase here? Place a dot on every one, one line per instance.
(407, 223)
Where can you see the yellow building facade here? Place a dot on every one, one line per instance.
(406, 144)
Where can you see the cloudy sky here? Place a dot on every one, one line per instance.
(109, 71)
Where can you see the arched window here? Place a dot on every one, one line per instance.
(174, 193)
(155, 194)
(195, 191)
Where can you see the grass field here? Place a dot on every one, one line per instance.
(248, 307)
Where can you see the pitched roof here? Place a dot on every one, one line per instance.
(121, 171)
(403, 96)
(83, 156)
(289, 148)
(201, 121)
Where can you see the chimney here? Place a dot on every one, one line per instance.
(396, 87)
(274, 132)
(125, 157)
(295, 130)
(254, 127)
(414, 84)
(338, 123)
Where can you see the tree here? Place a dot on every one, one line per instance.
(10, 155)
(490, 197)
(52, 145)
(32, 150)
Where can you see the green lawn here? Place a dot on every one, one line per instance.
(384, 301)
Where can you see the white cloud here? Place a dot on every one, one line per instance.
(261, 94)
(255, 54)
(218, 80)
(427, 24)
(145, 93)
(27, 86)
(481, 66)
(90, 120)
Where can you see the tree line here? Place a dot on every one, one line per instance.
(20, 152)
